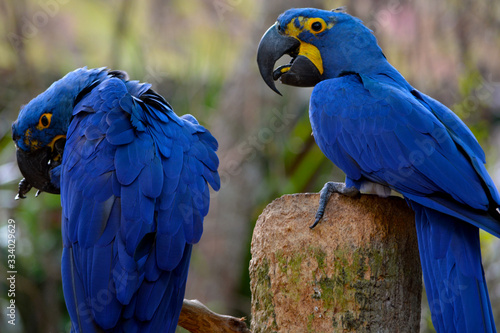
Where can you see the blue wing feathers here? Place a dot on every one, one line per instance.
(92, 221)
(134, 234)
(191, 119)
(453, 124)
(389, 148)
(105, 308)
(130, 211)
(75, 296)
(93, 132)
(449, 169)
(126, 175)
(151, 269)
(172, 168)
(415, 145)
(212, 178)
(102, 189)
(120, 133)
(151, 179)
(170, 247)
(112, 224)
(125, 259)
(135, 184)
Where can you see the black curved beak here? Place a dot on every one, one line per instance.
(36, 166)
(301, 72)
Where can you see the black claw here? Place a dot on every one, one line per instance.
(24, 187)
(326, 192)
(316, 221)
(324, 195)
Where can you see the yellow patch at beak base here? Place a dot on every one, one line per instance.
(307, 50)
(312, 53)
(57, 137)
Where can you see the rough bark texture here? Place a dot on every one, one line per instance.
(357, 271)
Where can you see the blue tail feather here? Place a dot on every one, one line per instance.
(453, 273)
(163, 315)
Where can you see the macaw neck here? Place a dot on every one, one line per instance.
(384, 71)
(379, 69)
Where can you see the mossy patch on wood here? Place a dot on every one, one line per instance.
(264, 295)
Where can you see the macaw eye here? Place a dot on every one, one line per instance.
(278, 26)
(317, 26)
(44, 121)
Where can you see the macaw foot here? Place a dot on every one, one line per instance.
(24, 187)
(326, 192)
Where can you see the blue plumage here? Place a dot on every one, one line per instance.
(134, 183)
(377, 128)
(420, 173)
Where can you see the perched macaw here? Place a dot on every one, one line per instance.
(134, 182)
(387, 136)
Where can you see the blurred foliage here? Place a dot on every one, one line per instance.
(200, 55)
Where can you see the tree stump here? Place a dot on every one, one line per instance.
(357, 271)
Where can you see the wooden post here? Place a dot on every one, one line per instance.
(357, 271)
(195, 317)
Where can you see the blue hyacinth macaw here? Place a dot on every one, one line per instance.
(134, 182)
(387, 136)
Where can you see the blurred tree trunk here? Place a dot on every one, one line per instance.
(120, 33)
(357, 271)
(241, 113)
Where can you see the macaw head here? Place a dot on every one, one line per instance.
(39, 132)
(323, 45)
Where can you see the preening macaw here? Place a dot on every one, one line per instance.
(387, 136)
(134, 182)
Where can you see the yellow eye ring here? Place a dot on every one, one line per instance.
(316, 25)
(44, 121)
